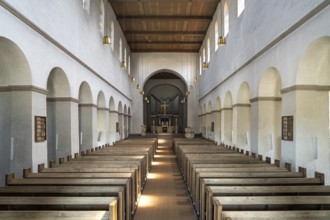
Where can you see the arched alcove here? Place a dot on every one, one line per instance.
(59, 131)
(209, 133)
(204, 120)
(125, 122)
(165, 102)
(113, 120)
(16, 125)
(312, 108)
(85, 117)
(269, 114)
(120, 119)
(228, 119)
(217, 123)
(102, 112)
(242, 112)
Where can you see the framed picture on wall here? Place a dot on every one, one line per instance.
(117, 126)
(39, 128)
(212, 126)
(287, 128)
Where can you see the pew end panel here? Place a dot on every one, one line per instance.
(8, 178)
(61, 160)
(277, 163)
(303, 171)
(52, 163)
(260, 157)
(69, 157)
(41, 167)
(26, 171)
(288, 166)
(320, 176)
(76, 155)
(113, 207)
(268, 160)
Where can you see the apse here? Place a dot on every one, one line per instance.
(165, 107)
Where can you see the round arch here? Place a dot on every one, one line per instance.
(165, 102)
(85, 112)
(15, 104)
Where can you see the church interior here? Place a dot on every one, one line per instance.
(164, 109)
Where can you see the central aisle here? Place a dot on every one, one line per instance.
(165, 196)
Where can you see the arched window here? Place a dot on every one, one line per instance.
(208, 50)
(200, 65)
(120, 50)
(125, 56)
(225, 19)
(112, 35)
(86, 5)
(216, 35)
(204, 55)
(240, 7)
(102, 18)
(129, 65)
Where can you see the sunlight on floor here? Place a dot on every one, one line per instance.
(161, 141)
(156, 163)
(147, 201)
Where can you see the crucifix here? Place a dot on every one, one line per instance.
(164, 106)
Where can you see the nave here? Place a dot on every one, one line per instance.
(165, 178)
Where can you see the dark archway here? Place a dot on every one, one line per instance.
(165, 105)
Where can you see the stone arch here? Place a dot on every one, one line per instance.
(217, 122)
(113, 120)
(86, 109)
(209, 133)
(120, 119)
(129, 120)
(125, 122)
(204, 120)
(269, 114)
(242, 117)
(102, 113)
(312, 121)
(59, 127)
(16, 124)
(165, 86)
(227, 119)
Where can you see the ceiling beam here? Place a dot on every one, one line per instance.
(164, 51)
(164, 42)
(165, 18)
(199, 33)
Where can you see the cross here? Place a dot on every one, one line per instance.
(164, 106)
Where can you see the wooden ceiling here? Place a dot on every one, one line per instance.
(164, 25)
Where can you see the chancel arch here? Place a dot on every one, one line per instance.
(165, 102)
(61, 128)
(86, 109)
(242, 117)
(227, 119)
(102, 119)
(16, 125)
(269, 111)
(217, 120)
(312, 108)
(113, 119)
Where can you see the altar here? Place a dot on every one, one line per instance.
(165, 129)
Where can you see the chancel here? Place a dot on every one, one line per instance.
(160, 109)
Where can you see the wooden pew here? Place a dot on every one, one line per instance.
(242, 203)
(60, 203)
(126, 183)
(198, 193)
(74, 191)
(207, 210)
(56, 215)
(204, 182)
(276, 215)
(219, 172)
